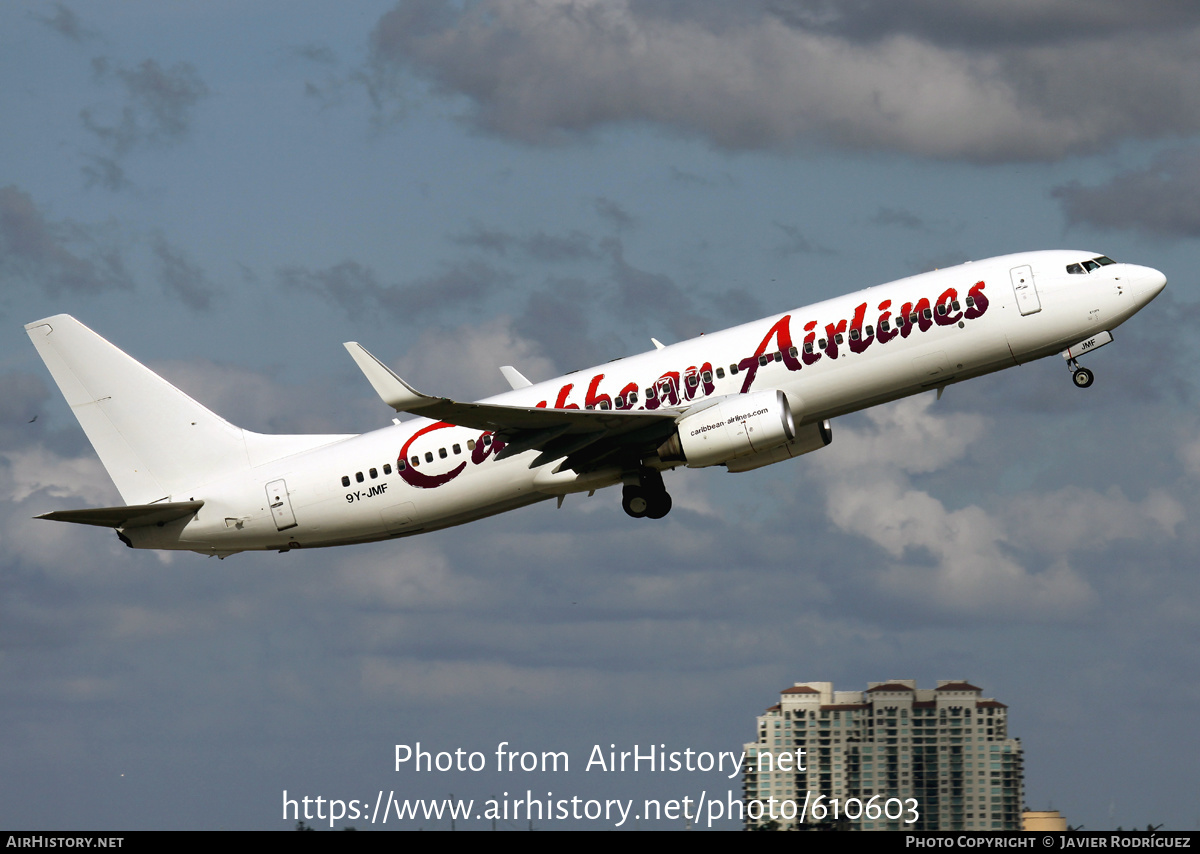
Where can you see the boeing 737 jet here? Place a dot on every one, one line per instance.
(742, 398)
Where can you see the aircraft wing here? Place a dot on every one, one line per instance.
(586, 436)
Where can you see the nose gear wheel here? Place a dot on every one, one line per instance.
(1081, 376)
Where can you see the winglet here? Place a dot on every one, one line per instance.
(395, 392)
(515, 378)
(658, 345)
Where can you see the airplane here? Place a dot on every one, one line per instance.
(742, 398)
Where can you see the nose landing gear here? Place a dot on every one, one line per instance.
(647, 498)
(1080, 375)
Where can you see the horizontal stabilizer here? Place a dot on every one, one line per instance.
(131, 516)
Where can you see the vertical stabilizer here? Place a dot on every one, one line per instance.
(153, 439)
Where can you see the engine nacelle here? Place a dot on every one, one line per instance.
(810, 437)
(740, 426)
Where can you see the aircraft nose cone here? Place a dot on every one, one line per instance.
(1153, 283)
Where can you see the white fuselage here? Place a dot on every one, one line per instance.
(829, 359)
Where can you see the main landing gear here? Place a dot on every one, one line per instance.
(647, 497)
(1080, 375)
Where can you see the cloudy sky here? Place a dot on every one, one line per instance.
(228, 191)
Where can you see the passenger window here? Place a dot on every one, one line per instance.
(821, 343)
(604, 404)
(706, 376)
(429, 456)
(470, 444)
(374, 473)
(387, 468)
(401, 465)
(955, 305)
(928, 313)
(733, 370)
(808, 347)
(970, 302)
(854, 335)
(487, 441)
(442, 453)
(793, 352)
(720, 373)
(457, 448)
(778, 356)
(345, 480)
(414, 460)
(941, 309)
(693, 381)
(869, 330)
(912, 318)
(650, 392)
(618, 401)
(632, 398)
(762, 360)
(358, 476)
(838, 338)
(883, 327)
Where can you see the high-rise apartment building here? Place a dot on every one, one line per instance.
(877, 759)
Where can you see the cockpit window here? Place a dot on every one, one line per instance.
(1088, 266)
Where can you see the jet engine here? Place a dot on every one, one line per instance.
(743, 425)
(810, 437)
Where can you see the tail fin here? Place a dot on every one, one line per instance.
(153, 439)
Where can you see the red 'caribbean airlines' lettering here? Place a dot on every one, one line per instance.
(778, 343)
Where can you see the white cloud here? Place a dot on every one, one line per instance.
(964, 561)
(542, 71)
(465, 361)
(413, 576)
(259, 401)
(34, 481)
(35, 469)
(1072, 518)
(1190, 455)
(909, 435)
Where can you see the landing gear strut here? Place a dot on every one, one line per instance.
(1080, 375)
(648, 497)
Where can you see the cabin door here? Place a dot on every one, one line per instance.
(281, 505)
(1025, 289)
